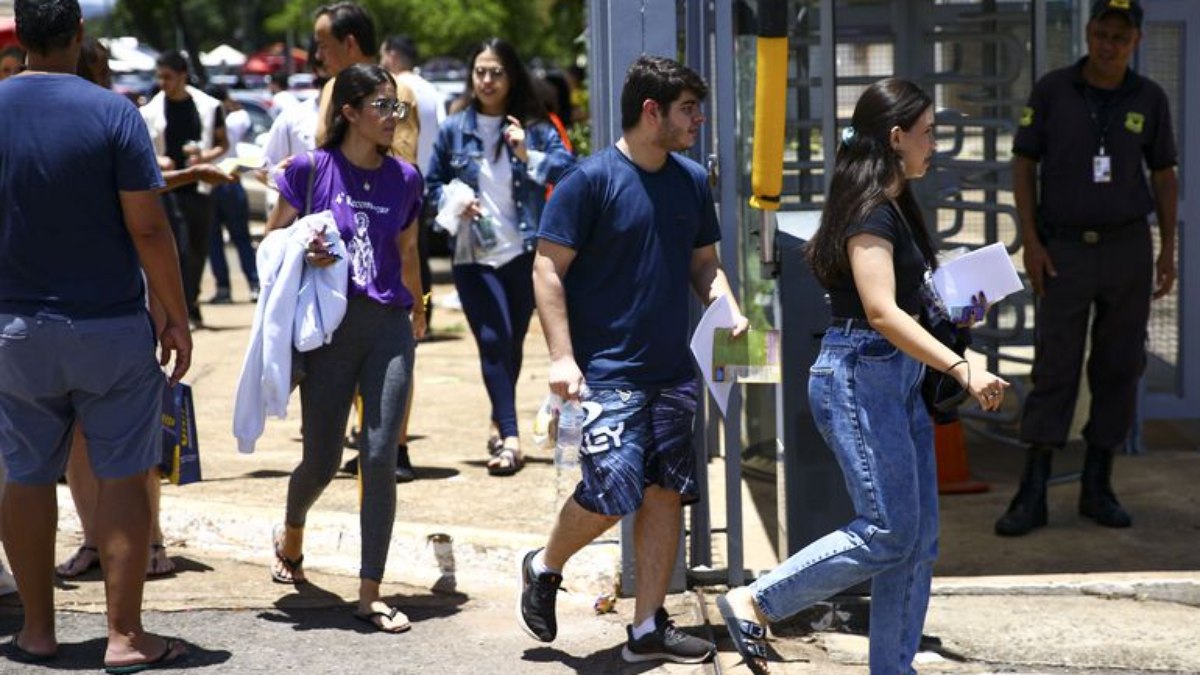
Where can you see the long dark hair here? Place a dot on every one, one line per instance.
(865, 169)
(522, 102)
(350, 88)
(92, 66)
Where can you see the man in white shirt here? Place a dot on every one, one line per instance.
(398, 54)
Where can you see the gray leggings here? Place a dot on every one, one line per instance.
(371, 351)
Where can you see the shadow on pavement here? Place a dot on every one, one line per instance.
(89, 655)
(604, 661)
(306, 609)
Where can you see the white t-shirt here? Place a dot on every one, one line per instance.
(293, 132)
(495, 194)
(430, 112)
(237, 125)
(282, 101)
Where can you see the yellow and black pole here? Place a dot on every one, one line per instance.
(770, 109)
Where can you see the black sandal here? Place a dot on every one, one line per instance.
(70, 569)
(508, 462)
(494, 445)
(748, 637)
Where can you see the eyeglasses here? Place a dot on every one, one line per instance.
(390, 106)
(481, 73)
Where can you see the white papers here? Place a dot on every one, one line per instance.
(988, 269)
(718, 315)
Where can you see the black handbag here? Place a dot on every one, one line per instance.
(941, 391)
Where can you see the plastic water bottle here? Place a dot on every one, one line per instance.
(570, 436)
(567, 444)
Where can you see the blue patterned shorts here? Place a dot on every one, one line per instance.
(636, 438)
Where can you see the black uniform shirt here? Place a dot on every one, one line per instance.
(1061, 129)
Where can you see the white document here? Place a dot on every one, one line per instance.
(718, 315)
(988, 269)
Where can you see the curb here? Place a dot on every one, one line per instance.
(1175, 587)
(484, 559)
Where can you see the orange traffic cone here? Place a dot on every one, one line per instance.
(954, 476)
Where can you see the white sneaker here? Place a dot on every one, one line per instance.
(8, 585)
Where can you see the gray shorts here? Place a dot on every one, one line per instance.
(100, 373)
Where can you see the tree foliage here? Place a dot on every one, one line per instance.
(541, 28)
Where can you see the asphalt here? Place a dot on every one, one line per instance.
(1070, 598)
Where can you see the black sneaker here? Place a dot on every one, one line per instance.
(221, 297)
(535, 607)
(666, 642)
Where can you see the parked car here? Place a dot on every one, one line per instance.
(257, 103)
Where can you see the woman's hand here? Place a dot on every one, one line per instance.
(318, 253)
(987, 388)
(419, 325)
(974, 312)
(472, 210)
(514, 136)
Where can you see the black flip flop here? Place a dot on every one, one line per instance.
(164, 659)
(747, 637)
(15, 652)
(292, 566)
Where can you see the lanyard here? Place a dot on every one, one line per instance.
(1100, 108)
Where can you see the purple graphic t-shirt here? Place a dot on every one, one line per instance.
(370, 209)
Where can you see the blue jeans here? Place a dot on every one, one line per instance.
(231, 210)
(498, 303)
(866, 401)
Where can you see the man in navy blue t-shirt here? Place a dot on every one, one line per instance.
(620, 242)
(79, 221)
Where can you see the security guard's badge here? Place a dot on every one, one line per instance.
(1101, 168)
(1135, 122)
(1118, 4)
(1026, 116)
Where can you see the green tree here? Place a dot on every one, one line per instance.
(539, 28)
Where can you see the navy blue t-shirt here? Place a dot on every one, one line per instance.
(627, 289)
(67, 147)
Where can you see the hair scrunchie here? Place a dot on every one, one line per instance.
(848, 136)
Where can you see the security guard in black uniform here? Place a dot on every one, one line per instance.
(1087, 246)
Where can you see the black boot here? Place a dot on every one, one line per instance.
(1027, 510)
(1096, 498)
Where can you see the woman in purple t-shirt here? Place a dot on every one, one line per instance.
(375, 201)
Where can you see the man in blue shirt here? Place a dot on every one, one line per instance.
(619, 244)
(79, 221)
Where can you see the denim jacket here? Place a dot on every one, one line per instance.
(458, 152)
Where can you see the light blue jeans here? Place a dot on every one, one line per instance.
(866, 401)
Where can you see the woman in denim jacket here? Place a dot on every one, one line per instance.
(501, 146)
(872, 253)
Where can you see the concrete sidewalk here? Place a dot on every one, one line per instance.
(1069, 598)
